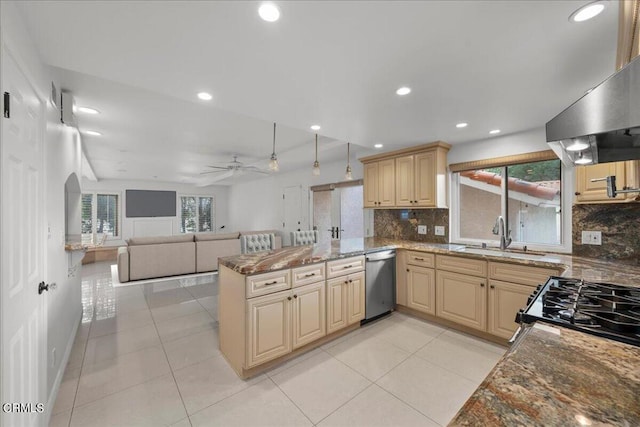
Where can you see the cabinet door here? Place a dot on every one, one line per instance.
(401, 277)
(371, 185)
(404, 181)
(269, 324)
(505, 299)
(587, 191)
(308, 322)
(425, 179)
(386, 183)
(462, 299)
(421, 289)
(355, 297)
(336, 304)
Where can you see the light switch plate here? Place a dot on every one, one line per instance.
(439, 230)
(422, 229)
(591, 238)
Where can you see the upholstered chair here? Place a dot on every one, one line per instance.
(250, 243)
(304, 237)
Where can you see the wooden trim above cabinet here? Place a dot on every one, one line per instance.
(536, 156)
(405, 151)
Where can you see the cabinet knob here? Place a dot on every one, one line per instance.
(577, 193)
(346, 281)
(295, 296)
(289, 298)
(350, 281)
(492, 287)
(482, 285)
(407, 270)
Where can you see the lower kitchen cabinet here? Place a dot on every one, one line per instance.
(281, 322)
(269, 327)
(505, 299)
(462, 299)
(345, 301)
(421, 289)
(308, 320)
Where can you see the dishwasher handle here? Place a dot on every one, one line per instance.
(380, 256)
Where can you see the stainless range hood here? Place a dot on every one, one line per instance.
(602, 126)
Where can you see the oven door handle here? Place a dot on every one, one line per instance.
(515, 335)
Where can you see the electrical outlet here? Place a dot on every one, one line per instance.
(422, 229)
(439, 230)
(591, 238)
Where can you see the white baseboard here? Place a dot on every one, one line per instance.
(51, 399)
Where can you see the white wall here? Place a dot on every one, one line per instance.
(131, 227)
(258, 205)
(505, 145)
(62, 158)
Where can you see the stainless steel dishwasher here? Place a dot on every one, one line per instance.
(380, 279)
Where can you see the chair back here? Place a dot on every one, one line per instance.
(304, 237)
(250, 243)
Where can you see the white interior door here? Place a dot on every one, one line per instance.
(339, 209)
(293, 207)
(21, 258)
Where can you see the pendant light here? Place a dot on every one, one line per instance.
(273, 163)
(316, 164)
(348, 176)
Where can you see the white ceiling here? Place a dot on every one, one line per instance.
(511, 65)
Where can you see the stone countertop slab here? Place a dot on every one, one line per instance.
(573, 266)
(561, 377)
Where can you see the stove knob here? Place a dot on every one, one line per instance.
(540, 286)
(519, 316)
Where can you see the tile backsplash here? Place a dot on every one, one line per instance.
(620, 227)
(403, 224)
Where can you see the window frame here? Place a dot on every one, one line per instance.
(566, 193)
(197, 197)
(94, 213)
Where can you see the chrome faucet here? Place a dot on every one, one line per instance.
(499, 229)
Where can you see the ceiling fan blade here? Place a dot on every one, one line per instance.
(256, 170)
(215, 178)
(208, 172)
(218, 167)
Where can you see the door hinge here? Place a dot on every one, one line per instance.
(283, 197)
(7, 105)
(283, 225)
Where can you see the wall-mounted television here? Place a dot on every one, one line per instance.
(150, 203)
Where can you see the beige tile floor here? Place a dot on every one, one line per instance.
(148, 355)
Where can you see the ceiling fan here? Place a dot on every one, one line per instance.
(235, 166)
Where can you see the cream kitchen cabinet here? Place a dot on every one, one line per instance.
(379, 184)
(462, 299)
(345, 301)
(269, 327)
(626, 173)
(505, 299)
(418, 181)
(309, 314)
(421, 289)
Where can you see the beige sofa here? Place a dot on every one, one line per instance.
(151, 257)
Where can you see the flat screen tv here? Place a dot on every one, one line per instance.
(150, 203)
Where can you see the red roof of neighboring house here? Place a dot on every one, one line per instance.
(530, 188)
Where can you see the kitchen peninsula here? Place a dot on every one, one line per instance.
(534, 350)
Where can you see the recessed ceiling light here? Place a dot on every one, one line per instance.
(88, 110)
(462, 125)
(269, 12)
(495, 131)
(315, 127)
(403, 91)
(92, 132)
(378, 146)
(587, 11)
(205, 96)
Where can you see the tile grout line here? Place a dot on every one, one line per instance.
(291, 400)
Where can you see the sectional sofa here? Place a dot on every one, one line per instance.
(152, 257)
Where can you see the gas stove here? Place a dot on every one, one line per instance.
(603, 309)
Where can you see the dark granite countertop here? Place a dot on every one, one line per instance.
(554, 376)
(573, 266)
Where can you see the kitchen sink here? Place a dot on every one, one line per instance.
(508, 253)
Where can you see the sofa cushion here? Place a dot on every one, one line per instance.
(170, 259)
(178, 238)
(205, 237)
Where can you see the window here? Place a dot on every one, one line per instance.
(196, 214)
(100, 217)
(527, 195)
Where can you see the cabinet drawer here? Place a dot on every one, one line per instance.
(522, 274)
(267, 283)
(473, 267)
(344, 266)
(307, 274)
(421, 259)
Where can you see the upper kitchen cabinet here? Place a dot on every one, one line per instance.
(588, 191)
(409, 178)
(379, 184)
